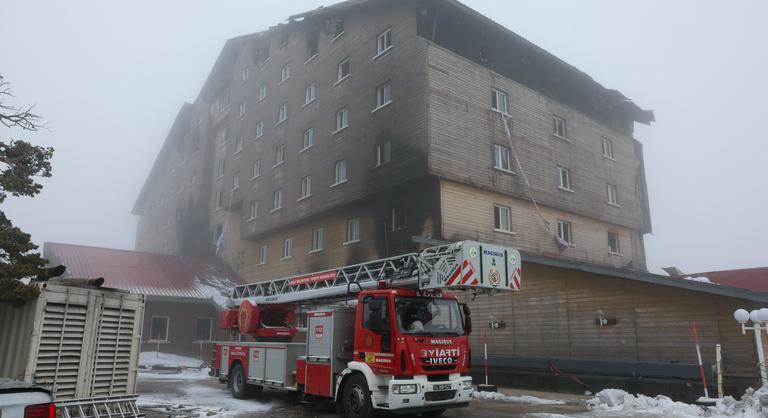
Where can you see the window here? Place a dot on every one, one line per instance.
(501, 158)
(377, 320)
(221, 167)
(344, 70)
(239, 144)
(158, 329)
(613, 194)
(256, 169)
(254, 211)
(309, 139)
(203, 329)
(342, 119)
(384, 95)
(613, 243)
(306, 187)
(559, 127)
(282, 114)
(317, 240)
(277, 199)
(285, 72)
(565, 232)
(501, 218)
(383, 153)
(245, 74)
(242, 109)
(309, 93)
(222, 136)
(263, 255)
(499, 101)
(384, 41)
(353, 230)
(399, 219)
(564, 178)
(259, 130)
(220, 104)
(217, 233)
(338, 29)
(608, 148)
(236, 181)
(279, 155)
(312, 41)
(262, 91)
(219, 199)
(340, 172)
(288, 248)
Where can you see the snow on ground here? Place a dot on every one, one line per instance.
(149, 359)
(184, 374)
(200, 400)
(618, 403)
(521, 399)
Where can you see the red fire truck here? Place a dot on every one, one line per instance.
(382, 335)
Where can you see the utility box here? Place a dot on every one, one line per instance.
(79, 342)
(330, 345)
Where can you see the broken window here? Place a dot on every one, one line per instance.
(383, 153)
(338, 28)
(203, 329)
(312, 42)
(158, 330)
(399, 219)
(613, 243)
(564, 232)
(501, 218)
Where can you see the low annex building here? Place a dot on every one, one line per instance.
(184, 294)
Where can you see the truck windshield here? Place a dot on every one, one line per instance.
(428, 316)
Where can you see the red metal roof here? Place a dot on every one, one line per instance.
(145, 273)
(755, 279)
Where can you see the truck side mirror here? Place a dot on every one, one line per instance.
(467, 318)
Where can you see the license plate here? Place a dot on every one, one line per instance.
(446, 386)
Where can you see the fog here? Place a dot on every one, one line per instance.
(109, 78)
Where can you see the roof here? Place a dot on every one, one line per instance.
(146, 273)
(754, 279)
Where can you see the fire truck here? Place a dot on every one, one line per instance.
(383, 335)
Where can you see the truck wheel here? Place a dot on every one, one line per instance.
(356, 398)
(239, 387)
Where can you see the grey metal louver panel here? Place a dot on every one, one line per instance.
(61, 343)
(111, 364)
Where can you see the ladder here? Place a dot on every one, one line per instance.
(106, 407)
(463, 265)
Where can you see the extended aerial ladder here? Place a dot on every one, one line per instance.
(464, 265)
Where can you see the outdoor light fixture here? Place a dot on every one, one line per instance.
(758, 318)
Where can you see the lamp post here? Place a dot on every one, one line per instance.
(758, 318)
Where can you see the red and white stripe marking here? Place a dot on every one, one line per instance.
(465, 274)
(516, 279)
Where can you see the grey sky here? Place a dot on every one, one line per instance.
(109, 77)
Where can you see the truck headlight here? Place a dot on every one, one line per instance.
(467, 384)
(404, 389)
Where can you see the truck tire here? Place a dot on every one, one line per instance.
(356, 398)
(239, 387)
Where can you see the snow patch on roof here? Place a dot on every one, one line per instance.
(218, 289)
(699, 279)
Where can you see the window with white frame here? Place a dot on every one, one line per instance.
(565, 231)
(310, 93)
(306, 187)
(256, 169)
(242, 109)
(254, 212)
(398, 219)
(288, 248)
(259, 129)
(279, 155)
(203, 330)
(262, 91)
(309, 139)
(502, 218)
(614, 247)
(383, 153)
(342, 118)
(613, 194)
(340, 172)
(384, 41)
(221, 167)
(499, 101)
(558, 126)
(263, 255)
(222, 136)
(282, 114)
(344, 70)
(245, 74)
(219, 199)
(285, 72)
(277, 199)
(608, 148)
(501, 158)
(158, 329)
(235, 181)
(317, 240)
(564, 178)
(238, 144)
(384, 94)
(353, 230)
